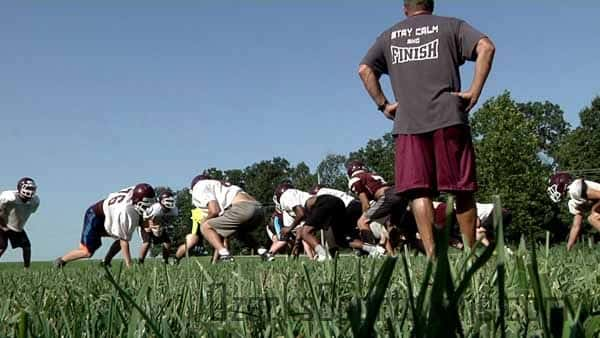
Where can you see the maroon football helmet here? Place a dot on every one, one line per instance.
(558, 184)
(197, 179)
(315, 189)
(167, 199)
(143, 197)
(355, 166)
(26, 188)
(281, 188)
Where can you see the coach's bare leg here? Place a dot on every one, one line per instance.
(466, 215)
(422, 208)
(190, 241)
(112, 251)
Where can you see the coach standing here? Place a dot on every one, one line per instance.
(434, 149)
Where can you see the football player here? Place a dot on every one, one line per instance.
(317, 212)
(377, 197)
(230, 211)
(117, 217)
(484, 222)
(292, 207)
(15, 208)
(584, 198)
(273, 228)
(348, 235)
(154, 230)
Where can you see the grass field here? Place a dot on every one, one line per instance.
(299, 298)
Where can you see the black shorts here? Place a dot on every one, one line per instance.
(150, 237)
(17, 239)
(327, 211)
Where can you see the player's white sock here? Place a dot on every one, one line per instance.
(224, 252)
(320, 250)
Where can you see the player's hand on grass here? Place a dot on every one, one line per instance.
(390, 110)
(469, 99)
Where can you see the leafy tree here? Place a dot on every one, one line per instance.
(332, 171)
(549, 123)
(378, 155)
(579, 149)
(506, 145)
(263, 177)
(302, 177)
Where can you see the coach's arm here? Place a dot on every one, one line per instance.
(370, 80)
(485, 51)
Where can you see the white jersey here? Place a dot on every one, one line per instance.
(158, 214)
(347, 198)
(577, 203)
(213, 190)
(14, 211)
(121, 218)
(292, 198)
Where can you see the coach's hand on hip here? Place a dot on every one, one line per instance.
(469, 98)
(390, 110)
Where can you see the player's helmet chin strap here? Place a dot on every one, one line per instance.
(142, 205)
(554, 194)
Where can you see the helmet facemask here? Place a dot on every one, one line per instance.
(168, 202)
(27, 190)
(142, 205)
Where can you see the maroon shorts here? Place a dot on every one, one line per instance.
(441, 160)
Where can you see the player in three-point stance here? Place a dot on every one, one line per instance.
(348, 235)
(117, 217)
(230, 211)
(584, 198)
(378, 199)
(154, 230)
(15, 208)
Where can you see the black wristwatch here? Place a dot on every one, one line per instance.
(381, 107)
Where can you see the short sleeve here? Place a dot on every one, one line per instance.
(574, 207)
(375, 57)
(575, 190)
(126, 225)
(289, 200)
(202, 194)
(355, 185)
(6, 198)
(468, 38)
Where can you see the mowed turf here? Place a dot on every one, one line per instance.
(287, 298)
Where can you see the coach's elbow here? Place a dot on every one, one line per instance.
(364, 70)
(486, 47)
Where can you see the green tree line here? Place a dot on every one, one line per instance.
(518, 146)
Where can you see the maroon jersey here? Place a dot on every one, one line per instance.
(366, 182)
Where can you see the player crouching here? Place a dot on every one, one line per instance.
(154, 230)
(230, 211)
(15, 208)
(584, 199)
(117, 216)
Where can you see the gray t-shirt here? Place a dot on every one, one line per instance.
(422, 55)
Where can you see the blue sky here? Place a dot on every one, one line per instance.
(98, 96)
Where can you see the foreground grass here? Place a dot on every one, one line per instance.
(284, 298)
